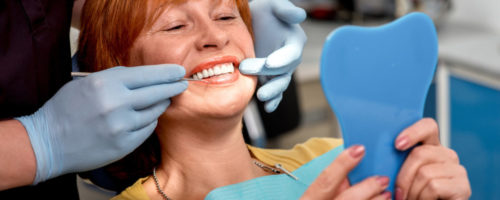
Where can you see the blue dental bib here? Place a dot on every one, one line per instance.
(276, 187)
(376, 81)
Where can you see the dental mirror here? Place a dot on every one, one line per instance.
(376, 81)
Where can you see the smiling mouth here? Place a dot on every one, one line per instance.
(216, 70)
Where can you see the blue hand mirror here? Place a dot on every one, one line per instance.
(376, 81)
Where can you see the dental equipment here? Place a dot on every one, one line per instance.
(84, 74)
(376, 81)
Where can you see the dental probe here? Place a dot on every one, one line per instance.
(84, 74)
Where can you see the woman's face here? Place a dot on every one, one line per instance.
(207, 37)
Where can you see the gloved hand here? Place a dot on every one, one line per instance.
(93, 121)
(279, 41)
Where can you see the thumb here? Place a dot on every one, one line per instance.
(332, 179)
(287, 12)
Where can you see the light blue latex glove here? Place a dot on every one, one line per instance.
(279, 41)
(93, 121)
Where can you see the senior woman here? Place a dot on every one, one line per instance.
(201, 146)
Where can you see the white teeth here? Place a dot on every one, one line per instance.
(214, 71)
(217, 70)
(225, 68)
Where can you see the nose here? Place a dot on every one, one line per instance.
(212, 36)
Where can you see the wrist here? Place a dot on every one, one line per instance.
(17, 165)
(36, 127)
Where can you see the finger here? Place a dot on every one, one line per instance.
(384, 196)
(366, 189)
(146, 116)
(446, 189)
(274, 87)
(271, 105)
(424, 131)
(325, 186)
(142, 76)
(420, 156)
(287, 12)
(434, 171)
(137, 137)
(146, 96)
(343, 186)
(288, 54)
(257, 66)
(252, 66)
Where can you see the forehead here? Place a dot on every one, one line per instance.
(161, 5)
(157, 7)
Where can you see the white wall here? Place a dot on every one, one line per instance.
(73, 38)
(482, 13)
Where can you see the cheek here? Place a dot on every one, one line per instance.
(151, 51)
(249, 46)
(243, 39)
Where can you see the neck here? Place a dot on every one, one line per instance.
(199, 157)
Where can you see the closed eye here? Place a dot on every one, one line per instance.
(226, 18)
(175, 28)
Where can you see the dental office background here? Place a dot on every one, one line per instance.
(464, 97)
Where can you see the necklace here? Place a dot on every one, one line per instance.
(266, 168)
(165, 197)
(277, 170)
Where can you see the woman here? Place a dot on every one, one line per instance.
(200, 141)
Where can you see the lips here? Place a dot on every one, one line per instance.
(217, 71)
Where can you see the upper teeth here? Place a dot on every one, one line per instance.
(214, 71)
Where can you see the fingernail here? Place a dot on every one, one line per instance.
(399, 194)
(357, 151)
(401, 142)
(387, 195)
(383, 181)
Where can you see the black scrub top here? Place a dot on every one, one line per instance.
(35, 62)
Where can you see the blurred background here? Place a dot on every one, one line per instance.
(464, 97)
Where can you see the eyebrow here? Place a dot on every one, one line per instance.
(225, 2)
(160, 8)
(163, 6)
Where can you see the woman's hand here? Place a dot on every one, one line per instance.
(332, 182)
(431, 170)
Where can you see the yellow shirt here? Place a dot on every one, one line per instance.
(290, 159)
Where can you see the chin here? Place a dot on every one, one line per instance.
(227, 103)
(213, 103)
(227, 107)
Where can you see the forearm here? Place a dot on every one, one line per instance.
(17, 159)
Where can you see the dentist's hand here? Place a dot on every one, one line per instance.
(279, 41)
(98, 119)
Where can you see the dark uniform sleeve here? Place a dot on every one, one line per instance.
(35, 58)
(34, 63)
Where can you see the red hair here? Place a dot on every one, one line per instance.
(109, 28)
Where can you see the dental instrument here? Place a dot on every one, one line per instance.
(84, 74)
